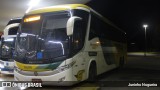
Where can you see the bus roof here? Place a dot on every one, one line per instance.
(14, 20)
(68, 7)
(58, 8)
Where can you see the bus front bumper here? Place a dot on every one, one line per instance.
(7, 71)
(64, 78)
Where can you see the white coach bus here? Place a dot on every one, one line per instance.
(7, 46)
(67, 43)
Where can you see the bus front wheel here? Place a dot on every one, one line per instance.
(92, 72)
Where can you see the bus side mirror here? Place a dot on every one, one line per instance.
(70, 24)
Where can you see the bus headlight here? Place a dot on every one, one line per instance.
(1, 66)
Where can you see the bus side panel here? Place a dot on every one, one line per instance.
(121, 52)
(79, 69)
(94, 49)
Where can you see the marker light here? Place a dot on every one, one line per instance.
(33, 18)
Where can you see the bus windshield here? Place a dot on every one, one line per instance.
(43, 39)
(7, 47)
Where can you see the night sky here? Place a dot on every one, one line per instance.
(130, 15)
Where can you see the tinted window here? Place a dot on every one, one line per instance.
(54, 37)
(31, 27)
(99, 28)
(80, 28)
(13, 31)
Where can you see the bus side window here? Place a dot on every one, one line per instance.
(92, 34)
(78, 36)
(77, 40)
(94, 28)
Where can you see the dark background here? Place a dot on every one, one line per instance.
(130, 15)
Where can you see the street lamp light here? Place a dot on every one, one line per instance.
(31, 4)
(145, 27)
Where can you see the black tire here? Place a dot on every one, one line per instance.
(92, 73)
